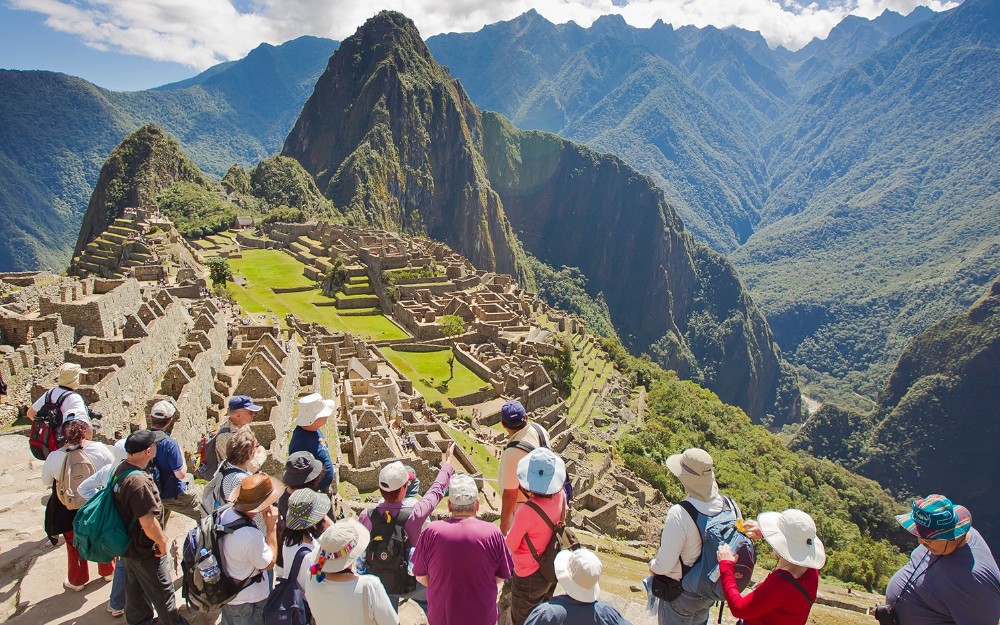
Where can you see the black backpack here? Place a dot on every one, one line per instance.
(199, 594)
(286, 605)
(388, 553)
(46, 428)
(563, 538)
(208, 457)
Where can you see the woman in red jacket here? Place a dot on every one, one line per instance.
(787, 594)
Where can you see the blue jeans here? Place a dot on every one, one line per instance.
(687, 609)
(243, 614)
(117, 600)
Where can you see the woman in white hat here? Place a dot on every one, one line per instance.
(335, 593)
(785, 597)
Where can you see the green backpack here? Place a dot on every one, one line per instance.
(99, 533)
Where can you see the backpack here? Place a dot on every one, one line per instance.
(99, 533)
(199, 594)
(211, 498)
(527, 447)
(702, 578)
(46, 428)
(563, 538)
(77, 466)
(286, 605)
(388, 553)
(208, 458)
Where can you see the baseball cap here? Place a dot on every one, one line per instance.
(512, 414)
(163, 409)
(141, 440)
(462, 490)
(242, 401)
(393, 476)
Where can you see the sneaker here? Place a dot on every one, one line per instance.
(108, 578)
(116, 613)
(69, 586)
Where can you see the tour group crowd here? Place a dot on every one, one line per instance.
(293, 556)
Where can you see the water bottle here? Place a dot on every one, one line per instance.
(208, 567)
(409, 562)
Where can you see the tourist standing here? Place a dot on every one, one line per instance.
(951, 577)
(541, 474)
(305, 521)
(170, 468)
(64, 393)
(393, 482)
(335, 593)
(241, 413)
(579, 574)
(461, 560)
(239, 454)
(787, 594)
(148, 585)
(680, 540)
(523, 436)
(79, 456)
(313, 414)
(248, 551)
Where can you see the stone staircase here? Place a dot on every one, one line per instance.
(114, 252)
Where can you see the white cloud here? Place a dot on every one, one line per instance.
(201, 33)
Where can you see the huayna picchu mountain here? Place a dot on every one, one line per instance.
(394, 140)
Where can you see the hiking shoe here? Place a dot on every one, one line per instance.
(108, 578)
(116, 613)
(69, 586)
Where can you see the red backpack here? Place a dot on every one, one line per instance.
(46, 428)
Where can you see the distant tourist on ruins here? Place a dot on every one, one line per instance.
(522, 437)
(579, 574)
(241, 412)
(461, 560)
(148, 584)
(335, 593)
(64, 470)
(541, 474)
(951, 577)
(313, 414)
(63, 393)
(680, 540)
(787, 594)
(394, 480)
(170, 470)
(249, 551)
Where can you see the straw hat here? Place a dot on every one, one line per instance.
(696, 471)
(312, 408)
(792, 535)
(578, 573)
(339, 546)
(255, 493)
(69, 375)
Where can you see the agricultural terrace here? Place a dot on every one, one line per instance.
(430, 374)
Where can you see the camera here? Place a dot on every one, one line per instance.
(886, 615)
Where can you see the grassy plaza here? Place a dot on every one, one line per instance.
(429, 370)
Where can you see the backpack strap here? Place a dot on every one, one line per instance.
(791, 578)
(400, 519)
(524, 445)
(534, 506)
(293, 573)
(694, 514)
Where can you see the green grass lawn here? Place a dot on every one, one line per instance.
(264, 269)
(428, 369)
(486, 462)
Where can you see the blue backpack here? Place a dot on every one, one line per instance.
(702, 578)
(286, 605)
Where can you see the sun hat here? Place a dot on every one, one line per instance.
(306, 508)
(77, 416)
(141, 440)
(935, 517)
(339, 546)
(696, 471)
(163, 410)
(792, 535)
(301, 468)
(69, 374)
(393, 476)
(541, 471)
(512, 414)
(462, 490)
(242, 401)
(256, 492)
(312, 408)
(579, 572)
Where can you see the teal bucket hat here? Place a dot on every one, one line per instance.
(935, 517)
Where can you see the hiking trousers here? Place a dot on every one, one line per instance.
(186, 503)
(687, 609)
(526, 593)
(78, 569)
(148, 586)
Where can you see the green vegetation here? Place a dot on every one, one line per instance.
(391, 277)
(451, 325)
(485, 461)
(219, 270)
(432, 375)
(566, 289)
(195, 210)
(561, 368)
(280, 181)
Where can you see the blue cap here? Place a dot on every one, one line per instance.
(512, 414)
(541, 471)
(242, 401)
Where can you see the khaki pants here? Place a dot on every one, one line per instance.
(186, 503)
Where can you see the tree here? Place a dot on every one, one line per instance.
(335, 278)
(219, 270)
(560, 368)
(451, 325)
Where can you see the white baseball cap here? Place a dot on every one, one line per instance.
(393, 476)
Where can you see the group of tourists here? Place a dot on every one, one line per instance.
(267, 550)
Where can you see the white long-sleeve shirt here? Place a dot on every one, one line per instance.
(680, 540)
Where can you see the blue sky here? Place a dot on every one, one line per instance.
(137, 44)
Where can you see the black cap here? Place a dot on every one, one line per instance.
(141, 440)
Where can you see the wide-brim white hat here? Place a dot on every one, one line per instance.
(339, 546)
(579, 572)
(312, 408)
(792, 535)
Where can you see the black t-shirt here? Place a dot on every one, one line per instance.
(136, 496)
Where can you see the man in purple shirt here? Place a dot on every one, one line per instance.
(461, 561)
(393, 482)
